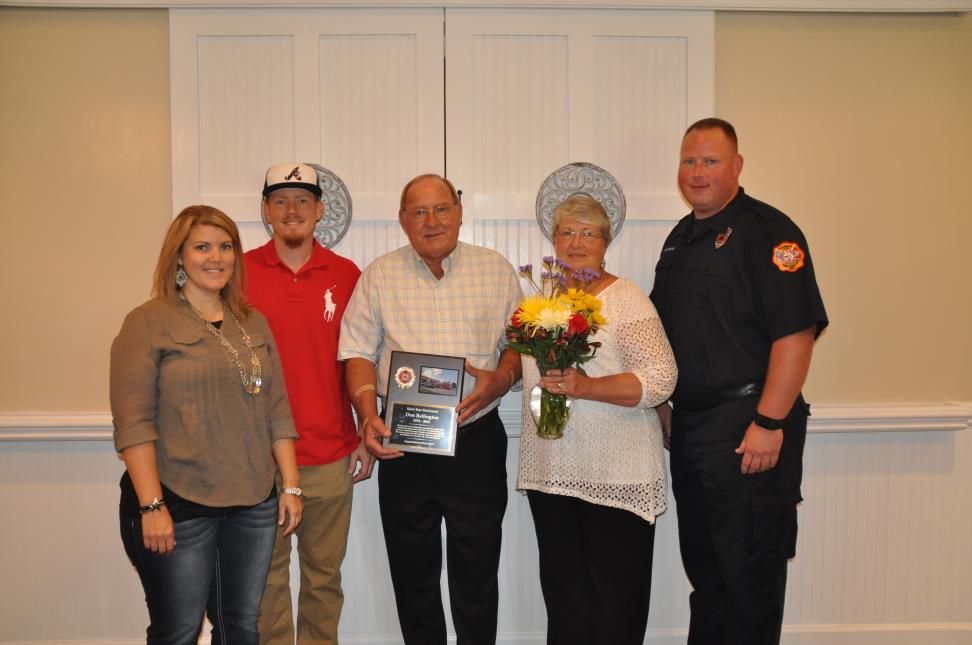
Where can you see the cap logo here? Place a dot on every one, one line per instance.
(294, 174)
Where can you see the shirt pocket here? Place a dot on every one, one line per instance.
(718, 278)
(664, 275)
(186, 344)
(482, 326)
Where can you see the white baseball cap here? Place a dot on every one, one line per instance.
(291, 175)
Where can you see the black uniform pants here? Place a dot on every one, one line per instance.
(415, 493)
(736, 531)
(595, 570)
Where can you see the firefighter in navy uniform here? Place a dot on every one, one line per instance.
(736, 292)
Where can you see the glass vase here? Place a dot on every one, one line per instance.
(550, 412)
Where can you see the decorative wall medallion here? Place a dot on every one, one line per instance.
(584, 178)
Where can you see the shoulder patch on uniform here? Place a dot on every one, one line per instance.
(788, 257)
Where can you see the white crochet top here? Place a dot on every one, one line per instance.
(609, 455)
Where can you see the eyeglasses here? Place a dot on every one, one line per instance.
(442, 211)
(569, 235)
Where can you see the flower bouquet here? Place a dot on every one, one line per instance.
(554, 326)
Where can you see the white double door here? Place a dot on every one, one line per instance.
(496, 99)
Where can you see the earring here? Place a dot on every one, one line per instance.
(603, 264)
(181, 276)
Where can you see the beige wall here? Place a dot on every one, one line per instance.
(857, 126)
(860, 128)
(85, 178)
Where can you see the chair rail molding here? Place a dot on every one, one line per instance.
(826, 418)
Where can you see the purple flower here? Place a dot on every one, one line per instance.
(563, 265)
(548, 259)
(526, 268)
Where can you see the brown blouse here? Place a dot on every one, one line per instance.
(174, 384)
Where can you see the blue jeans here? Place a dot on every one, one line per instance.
(219, 566)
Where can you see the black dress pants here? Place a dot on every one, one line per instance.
(595, 570)
(469, 491)
(736, 531)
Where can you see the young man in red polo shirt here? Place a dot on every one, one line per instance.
(302, 289)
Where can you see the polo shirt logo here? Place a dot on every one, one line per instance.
(329, 306)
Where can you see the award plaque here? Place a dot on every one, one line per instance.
(420, 405)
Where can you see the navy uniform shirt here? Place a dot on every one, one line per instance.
(726, 287)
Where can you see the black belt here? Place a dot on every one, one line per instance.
(709, 402)
(490, 417)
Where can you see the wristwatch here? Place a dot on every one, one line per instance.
(292, 491)
(769, 423)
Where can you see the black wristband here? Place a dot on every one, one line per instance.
(769, 423)
(154, 506)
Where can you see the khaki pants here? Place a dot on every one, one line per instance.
(322, 540)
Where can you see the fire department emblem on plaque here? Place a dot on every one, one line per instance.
(405, 377)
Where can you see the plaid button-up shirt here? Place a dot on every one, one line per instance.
(399, 304)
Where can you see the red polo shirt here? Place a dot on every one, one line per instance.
(304, 310)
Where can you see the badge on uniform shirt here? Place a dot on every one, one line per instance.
(788, 257)
(723, 237)
(405, 377)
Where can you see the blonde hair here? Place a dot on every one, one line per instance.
(586, 210)
(164, 286)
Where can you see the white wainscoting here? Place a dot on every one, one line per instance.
(883, 554)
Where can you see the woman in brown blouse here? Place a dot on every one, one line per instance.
(201, 421)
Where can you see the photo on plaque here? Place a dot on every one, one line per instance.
(437, 380)
(420, 404)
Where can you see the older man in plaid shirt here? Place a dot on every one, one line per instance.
(438, 296)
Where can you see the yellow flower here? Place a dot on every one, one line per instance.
(530, 310)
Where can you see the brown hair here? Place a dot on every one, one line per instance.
(408, 186)
(586, 210)
(164, 286)
(715, 123)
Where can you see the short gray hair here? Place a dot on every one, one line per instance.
(584, 209)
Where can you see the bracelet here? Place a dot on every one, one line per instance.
(151, 508)
(768, 423)
(363, 388)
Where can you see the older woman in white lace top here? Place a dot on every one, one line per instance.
(596, 492)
